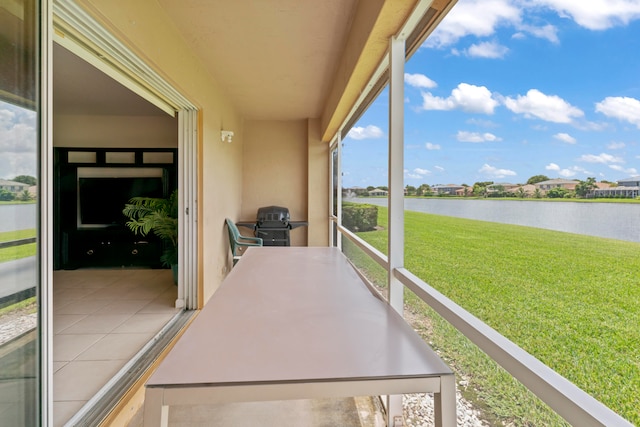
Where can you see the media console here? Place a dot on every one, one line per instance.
(91, 187)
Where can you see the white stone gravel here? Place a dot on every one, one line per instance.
(418, 411)
(14, 326)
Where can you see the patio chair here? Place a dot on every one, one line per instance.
(238, 241)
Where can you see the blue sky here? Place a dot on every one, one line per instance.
(18, 141)
(507, 89)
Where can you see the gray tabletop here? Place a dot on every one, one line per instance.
(295, 315)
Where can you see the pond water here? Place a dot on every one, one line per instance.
(611, 220)
(17, 217)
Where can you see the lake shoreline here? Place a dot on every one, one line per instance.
(609, 220)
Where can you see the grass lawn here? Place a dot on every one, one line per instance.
(572, 301)
(17, 252)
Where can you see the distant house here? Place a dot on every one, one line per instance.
(528, 189)
(569, 184)
(378, 192)
(13, 186)
(494, 188)
(626, 188)
(450, 189)
(634, 181)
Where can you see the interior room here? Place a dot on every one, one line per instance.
(112, 294)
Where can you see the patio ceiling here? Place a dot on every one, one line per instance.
(276, 59)
(294, 59)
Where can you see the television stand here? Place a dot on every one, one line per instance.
(110, 247)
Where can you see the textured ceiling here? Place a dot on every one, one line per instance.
(276, 59)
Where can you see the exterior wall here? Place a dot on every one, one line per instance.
(275, 171)
(115, 131)
(146, 29)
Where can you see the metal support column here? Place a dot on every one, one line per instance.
(396, 192)
(339, 191)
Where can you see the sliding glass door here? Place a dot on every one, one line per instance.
(20, 345)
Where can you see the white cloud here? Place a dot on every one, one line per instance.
(494, 172)
(417, 173)
(466, 97)
(603, 158)
(629, 171)
(491, 50)
(622, 108)
(565, 137)
(547, 32)
(596, 14)
(368, 132)
(430, 146)
(464, 136)
(18, 141)
(566, 173)
(616, 145)
(419, 80)
(473, 17)
(439, 168)
(550, 108)
(481, 18)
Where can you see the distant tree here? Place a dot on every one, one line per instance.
(537, 178)
(24, 196)
(583, 188)
(480, 188)
(423, 190)
(25, 179)
(557, 193)
(498, 191)
(537, 194)
(521, 193)
(466, 190)
(6, 196)
(411, 190)
(371, 187)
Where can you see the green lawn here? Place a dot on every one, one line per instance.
(17, 252)
(572, 301)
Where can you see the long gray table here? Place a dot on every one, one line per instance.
(296, 323)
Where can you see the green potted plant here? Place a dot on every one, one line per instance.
(160, 216)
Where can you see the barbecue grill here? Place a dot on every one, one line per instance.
(273, 225)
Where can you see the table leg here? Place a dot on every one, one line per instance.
(444, 403)
(155, 413)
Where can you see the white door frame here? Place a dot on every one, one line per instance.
(77, 31)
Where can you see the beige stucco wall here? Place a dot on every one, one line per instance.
(115, 131)
(287, 164)
(275, 170)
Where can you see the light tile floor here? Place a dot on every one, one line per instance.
(101, 319)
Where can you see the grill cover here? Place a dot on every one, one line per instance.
(273, 217)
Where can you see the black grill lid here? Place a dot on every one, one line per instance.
(273, 216)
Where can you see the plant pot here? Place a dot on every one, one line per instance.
(174, 271)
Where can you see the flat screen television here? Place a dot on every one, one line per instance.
(102, 198)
